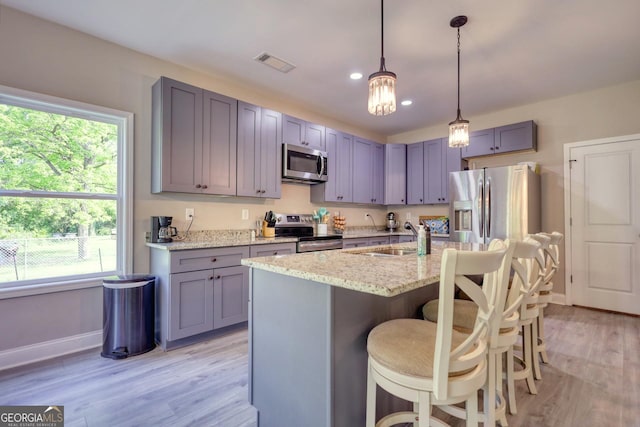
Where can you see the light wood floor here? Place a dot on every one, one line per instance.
(593, 380)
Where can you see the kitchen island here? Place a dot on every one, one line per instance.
(309, 317)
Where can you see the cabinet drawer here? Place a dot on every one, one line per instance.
(201, 259)
(273, 249)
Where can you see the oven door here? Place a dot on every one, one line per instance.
(303, 164)
(318, 245)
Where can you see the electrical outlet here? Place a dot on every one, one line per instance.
(245, 213)
(189, 214)
(408, 216)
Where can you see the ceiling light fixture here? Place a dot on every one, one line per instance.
(459, 128)
(355, 76)
(382, 84)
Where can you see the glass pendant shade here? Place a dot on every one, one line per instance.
(382, 93)
(459, 133)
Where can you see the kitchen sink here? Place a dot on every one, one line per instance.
(387, 252)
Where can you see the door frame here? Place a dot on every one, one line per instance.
(567, 202)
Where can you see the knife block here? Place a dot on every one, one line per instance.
(268, 231)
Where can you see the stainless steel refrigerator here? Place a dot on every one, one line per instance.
(493, 203)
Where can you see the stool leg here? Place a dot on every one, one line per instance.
(424, 409)
(534, 350)
(472, 411)
(371, 399)
(502, 416)
(542, 349)
(511, 387)
(490, 392)
(527, 351)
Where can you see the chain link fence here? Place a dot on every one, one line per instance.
(67, 255)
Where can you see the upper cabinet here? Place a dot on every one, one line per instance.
(259, 156)
(503, 139)
(368, 172)
(395, 174)
(300, 132)
(338, 187)
(193, 140)
(428, 167)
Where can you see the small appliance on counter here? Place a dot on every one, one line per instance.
(392, 223)
(161, 230)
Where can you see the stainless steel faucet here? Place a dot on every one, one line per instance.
(409, 226)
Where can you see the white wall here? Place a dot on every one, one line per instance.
(39, 56)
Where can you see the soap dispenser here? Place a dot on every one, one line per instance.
(422, 241)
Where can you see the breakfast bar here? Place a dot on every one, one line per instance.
(309, 317)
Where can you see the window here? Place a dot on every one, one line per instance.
(64, 208)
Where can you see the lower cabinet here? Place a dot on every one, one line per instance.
(272, 249)
(401, 239)
(365, 241)
(198, 291)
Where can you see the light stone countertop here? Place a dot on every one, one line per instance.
(218, 239)
(349, 269)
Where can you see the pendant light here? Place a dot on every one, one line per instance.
(382, 84)
(459, 128)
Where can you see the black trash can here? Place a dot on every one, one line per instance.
(128, 315)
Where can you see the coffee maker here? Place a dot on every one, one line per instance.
(392, 224)
(161, 230)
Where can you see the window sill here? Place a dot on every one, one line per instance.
(48, 288)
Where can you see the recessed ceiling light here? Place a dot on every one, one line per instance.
(356, 76)
(406, 102)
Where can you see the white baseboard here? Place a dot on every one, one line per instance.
(49, 349)
(558, 298)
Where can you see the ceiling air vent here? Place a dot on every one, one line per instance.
(275, 62)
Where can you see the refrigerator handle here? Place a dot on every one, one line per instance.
(481, 208)
(488, 209)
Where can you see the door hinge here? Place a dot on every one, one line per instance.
(571, 278)
(571, 161)
(570, 222)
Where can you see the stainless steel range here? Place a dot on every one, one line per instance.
(301, 226)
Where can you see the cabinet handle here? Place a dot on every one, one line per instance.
(198, 185)
(263, 191)
(204, 186)
(497, 148)
(258, 191)
(275, 252)
(218, 277)
(214, 259)
(210, 277)
(491, 148)
(402, 200)
(420, 200)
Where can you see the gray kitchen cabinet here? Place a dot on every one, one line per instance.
(193, 140)
(401, 239)
(230, 296)
(428, 167)
(198, 291)
(300, 132)
(339, 187)
(415, 173)
(360, 242)
(368, 172)
(259, 154)
(395, 174)
(272, 249)
(502, 139)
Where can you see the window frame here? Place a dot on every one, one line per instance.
(124, 194)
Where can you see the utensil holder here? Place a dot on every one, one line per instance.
(268, 231)
(321, 229)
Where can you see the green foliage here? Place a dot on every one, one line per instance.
(42, 151)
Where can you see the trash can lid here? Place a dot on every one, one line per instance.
(128, 278)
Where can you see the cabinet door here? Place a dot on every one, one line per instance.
(270, 154)
(273, 249)
(434, 171)
(406, 239)
(454, 163)
(191, 304)
(342, 165)
(230, 296)
(249, 161)
(415, 173)
(377, 173)
(220, 115)
(515, 137)
(293, 130)
(314, 136)
(177, 137)
(480, 144)
(395, 174)
(362, 166)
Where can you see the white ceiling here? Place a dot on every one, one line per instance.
(513, 52)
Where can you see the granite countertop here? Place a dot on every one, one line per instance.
(218, 239)
(349, 269)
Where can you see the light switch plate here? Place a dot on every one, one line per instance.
(245, 213)
(189, 214)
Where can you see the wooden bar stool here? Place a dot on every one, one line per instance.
(464, 312)
(431, 363)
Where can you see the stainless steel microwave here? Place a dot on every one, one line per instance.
(303, 164)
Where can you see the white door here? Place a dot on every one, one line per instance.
(605, 224)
